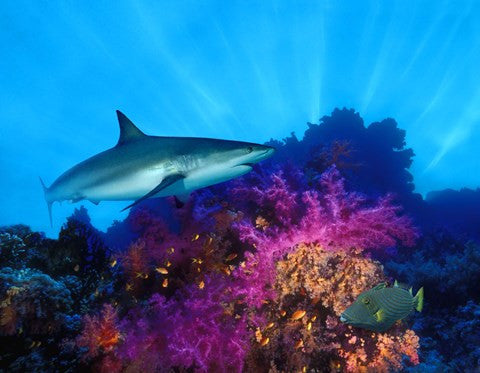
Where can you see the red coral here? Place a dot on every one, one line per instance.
(100, 332)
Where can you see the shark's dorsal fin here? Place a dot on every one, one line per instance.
(128, 131)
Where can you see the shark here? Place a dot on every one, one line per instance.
(141, 166)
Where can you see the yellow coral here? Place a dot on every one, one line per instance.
(333, 278)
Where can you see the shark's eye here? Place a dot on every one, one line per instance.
(249, 150)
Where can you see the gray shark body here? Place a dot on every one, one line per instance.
(141, 167)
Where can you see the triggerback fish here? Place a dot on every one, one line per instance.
(379, 308)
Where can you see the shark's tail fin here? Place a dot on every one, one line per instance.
(49, 203)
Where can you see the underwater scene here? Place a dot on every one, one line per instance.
(240, 186)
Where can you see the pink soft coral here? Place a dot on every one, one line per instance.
(335, 219)
(198, 330)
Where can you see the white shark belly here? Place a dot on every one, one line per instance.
(202, 178)
(125, 188)
(135, 186)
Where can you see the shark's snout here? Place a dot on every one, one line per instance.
(265, 152)
(269, 151)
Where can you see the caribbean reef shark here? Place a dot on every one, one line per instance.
(141, 166)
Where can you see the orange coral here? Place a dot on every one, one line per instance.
(386, 355)
(135, 260)
(333, 278)
(100, 333)
(392, 348)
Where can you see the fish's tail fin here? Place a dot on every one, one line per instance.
(49, 203)
(418, 300)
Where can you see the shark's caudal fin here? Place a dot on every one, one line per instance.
(49, 204)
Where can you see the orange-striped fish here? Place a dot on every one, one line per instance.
(379, 308)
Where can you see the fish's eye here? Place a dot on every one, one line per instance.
(366, 301)
(249, 150)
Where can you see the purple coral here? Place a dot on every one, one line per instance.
(192, 330)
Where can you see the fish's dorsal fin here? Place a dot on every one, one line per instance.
(395, 284)
(381, 285)
(128, 131)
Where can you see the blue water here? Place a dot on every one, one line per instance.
(237, 70)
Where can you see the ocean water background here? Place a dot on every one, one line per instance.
(253, 274)
(236, 70)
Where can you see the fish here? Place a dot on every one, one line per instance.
(140, 166)
(297, 315)
(264, 341)
(231, 257)
(379, 308)
(162, 270)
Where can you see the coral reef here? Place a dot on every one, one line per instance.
(314, 286)
(251, 275)
(31, 302)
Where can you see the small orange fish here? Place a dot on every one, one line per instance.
(264, 341)
(195, 237)
(226, 270)
(299, 344)
(171, 250)
(270, 325)
(113, 263)
(309, 326)
(314, 317)
(162, 270)
(168, 263)
(297, 315)
(165, 283)
(201, 285)
(304, 369)
(231, 257)
(283, 313)
(128, 287)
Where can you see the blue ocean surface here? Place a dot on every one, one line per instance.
(258, 168)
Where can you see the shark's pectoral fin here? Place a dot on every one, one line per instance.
(94, 202)
(167, 181)
(181, 199)
(77, 199)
